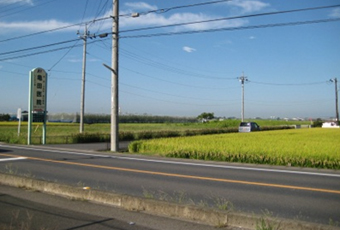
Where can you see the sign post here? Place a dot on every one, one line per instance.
(37, 99)
(19, 118)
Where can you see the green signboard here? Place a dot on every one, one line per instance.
(37, 99)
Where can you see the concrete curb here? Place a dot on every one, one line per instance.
(172, 210)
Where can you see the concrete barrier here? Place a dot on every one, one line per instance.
(186, 212)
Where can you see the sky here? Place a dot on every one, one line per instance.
(178, 58)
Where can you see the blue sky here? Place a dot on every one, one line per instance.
(288, 67)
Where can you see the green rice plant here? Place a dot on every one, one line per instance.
(319, 148)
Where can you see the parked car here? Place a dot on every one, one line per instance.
(330, 125)
(246, 127)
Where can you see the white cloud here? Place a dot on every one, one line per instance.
(79, 60)
(335, 13)
(32, 26)
(188, 49)
(252, 37)
(178, 18)
(151, 19)
(248, 6)
(140, 6)
(8, 2)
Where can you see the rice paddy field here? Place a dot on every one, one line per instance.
(315, 147)
(308, 147)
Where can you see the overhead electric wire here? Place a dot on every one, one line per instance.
(173, 95)
(46, 51)
(74, 45)
(105, 18)
(175, 102)
(230, 18)
(38, 47)
(197, 31)
(166, 67)
(288, 84)
(232, 28)
(164, 10)
(184, 6)
(18, 10)
(175, 83)
(52, 30)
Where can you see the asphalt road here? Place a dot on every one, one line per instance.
(303, 194)
(25, 209)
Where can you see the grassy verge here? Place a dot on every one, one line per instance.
(318, 148)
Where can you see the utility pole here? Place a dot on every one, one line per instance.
(114, 79)
(335, 80)
(82, 96)
(114, 76)
(242, 79)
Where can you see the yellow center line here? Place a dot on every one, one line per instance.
(180, 175)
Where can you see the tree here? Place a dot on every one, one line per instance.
(4, 117)
(206, 116)
(317, 123)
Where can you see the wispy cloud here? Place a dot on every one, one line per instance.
(179, 18)
(335, 13)
(151, 19)
(8, 2)
(248, 6)
(140, 6)
(33, 25)
(79, 60)
(189, 49)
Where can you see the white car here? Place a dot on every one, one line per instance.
(330, 125)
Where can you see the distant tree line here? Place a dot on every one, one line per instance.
(5, 117)
(128, 118)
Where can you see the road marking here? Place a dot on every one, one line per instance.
(13, 159)
(183, 163)
(184, 176)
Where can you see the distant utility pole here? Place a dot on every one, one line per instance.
(82, 98)
(335, 80)
(242, 79)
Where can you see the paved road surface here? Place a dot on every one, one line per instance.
(24, 209)
(304, 194)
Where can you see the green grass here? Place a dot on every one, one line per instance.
(316, 147)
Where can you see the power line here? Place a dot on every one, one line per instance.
(38, 47)
(18, 10)
(164, 10)
(166, 67)
(175, 83)
(231, 18)
(52, 30)
(74, 45)
(110, 17)
(43, 52)
(173, 95)
(233, 28)
(289, 84)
